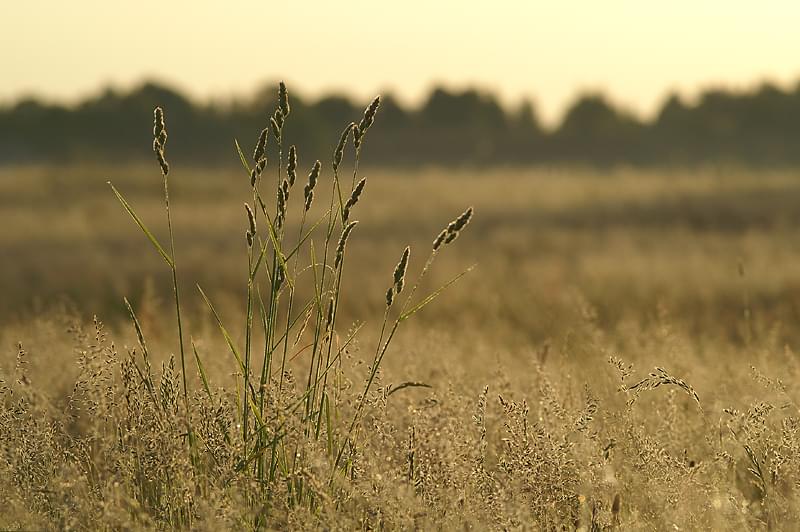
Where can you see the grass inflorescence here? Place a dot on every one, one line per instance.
(281, 422)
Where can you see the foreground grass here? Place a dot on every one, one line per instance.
(548, 438)
(622, 360)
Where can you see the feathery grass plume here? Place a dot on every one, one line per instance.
(400, 270)
(251, 219)
(312, 182)
(342, 243)
(351, 202)
(389, 296)
(339, 153)
(283, 99)
(366, 121)
(654, 380)
(291, 165)
(160, 139)
(453, 229)
(261, 145)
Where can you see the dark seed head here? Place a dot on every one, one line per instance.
(251, 219)
(339, 153)
(342, 243)
(453, 229)
(351, 202)
(276, 128)
(400, 270)
(283, 99)
(389, 296)
(312, 182)
(369, 115)
(160, 139)
(291, 165)
(329, 317)
(439, 239)
(261, 145)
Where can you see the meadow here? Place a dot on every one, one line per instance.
(619, 355)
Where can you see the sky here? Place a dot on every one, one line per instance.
(634, 51)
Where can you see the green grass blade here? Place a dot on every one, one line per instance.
(419, 306)
(408, 384)
(242, 157)
(137, 326)
(143, 227)
(224, 331)
(201, 369)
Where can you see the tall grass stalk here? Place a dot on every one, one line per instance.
(266, 452)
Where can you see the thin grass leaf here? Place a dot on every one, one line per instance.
(137, 326)
(201, 369)
(419, 306)
(222, 328)
(143, 227)
(242, 158)
(410, 384)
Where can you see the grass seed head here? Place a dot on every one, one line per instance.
(249, 237)
(342, 243)
(312, 182)
(283, 99)
(291, 165)
(389, 296)
(159, 130)
(400, 270)
(459, 223)
(339, 153)
(369, 115)
(329, 314)
(439, 239)
(251, 219)
(160, 139)
(357, 134)
(276, 127)
(261, 145)
(283, 196)
(351, 202)
(453, 229)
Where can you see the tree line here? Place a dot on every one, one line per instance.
(760, 127)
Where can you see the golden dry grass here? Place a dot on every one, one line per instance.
(532, 420)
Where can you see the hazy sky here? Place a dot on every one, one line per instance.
(633, 50)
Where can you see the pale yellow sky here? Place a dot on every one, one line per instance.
(633, 50)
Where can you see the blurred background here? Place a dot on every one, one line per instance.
(626, 160)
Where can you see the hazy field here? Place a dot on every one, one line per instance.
(694, 271)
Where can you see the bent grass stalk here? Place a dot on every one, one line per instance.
(159, 147)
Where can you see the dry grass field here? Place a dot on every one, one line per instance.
(525, 397)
